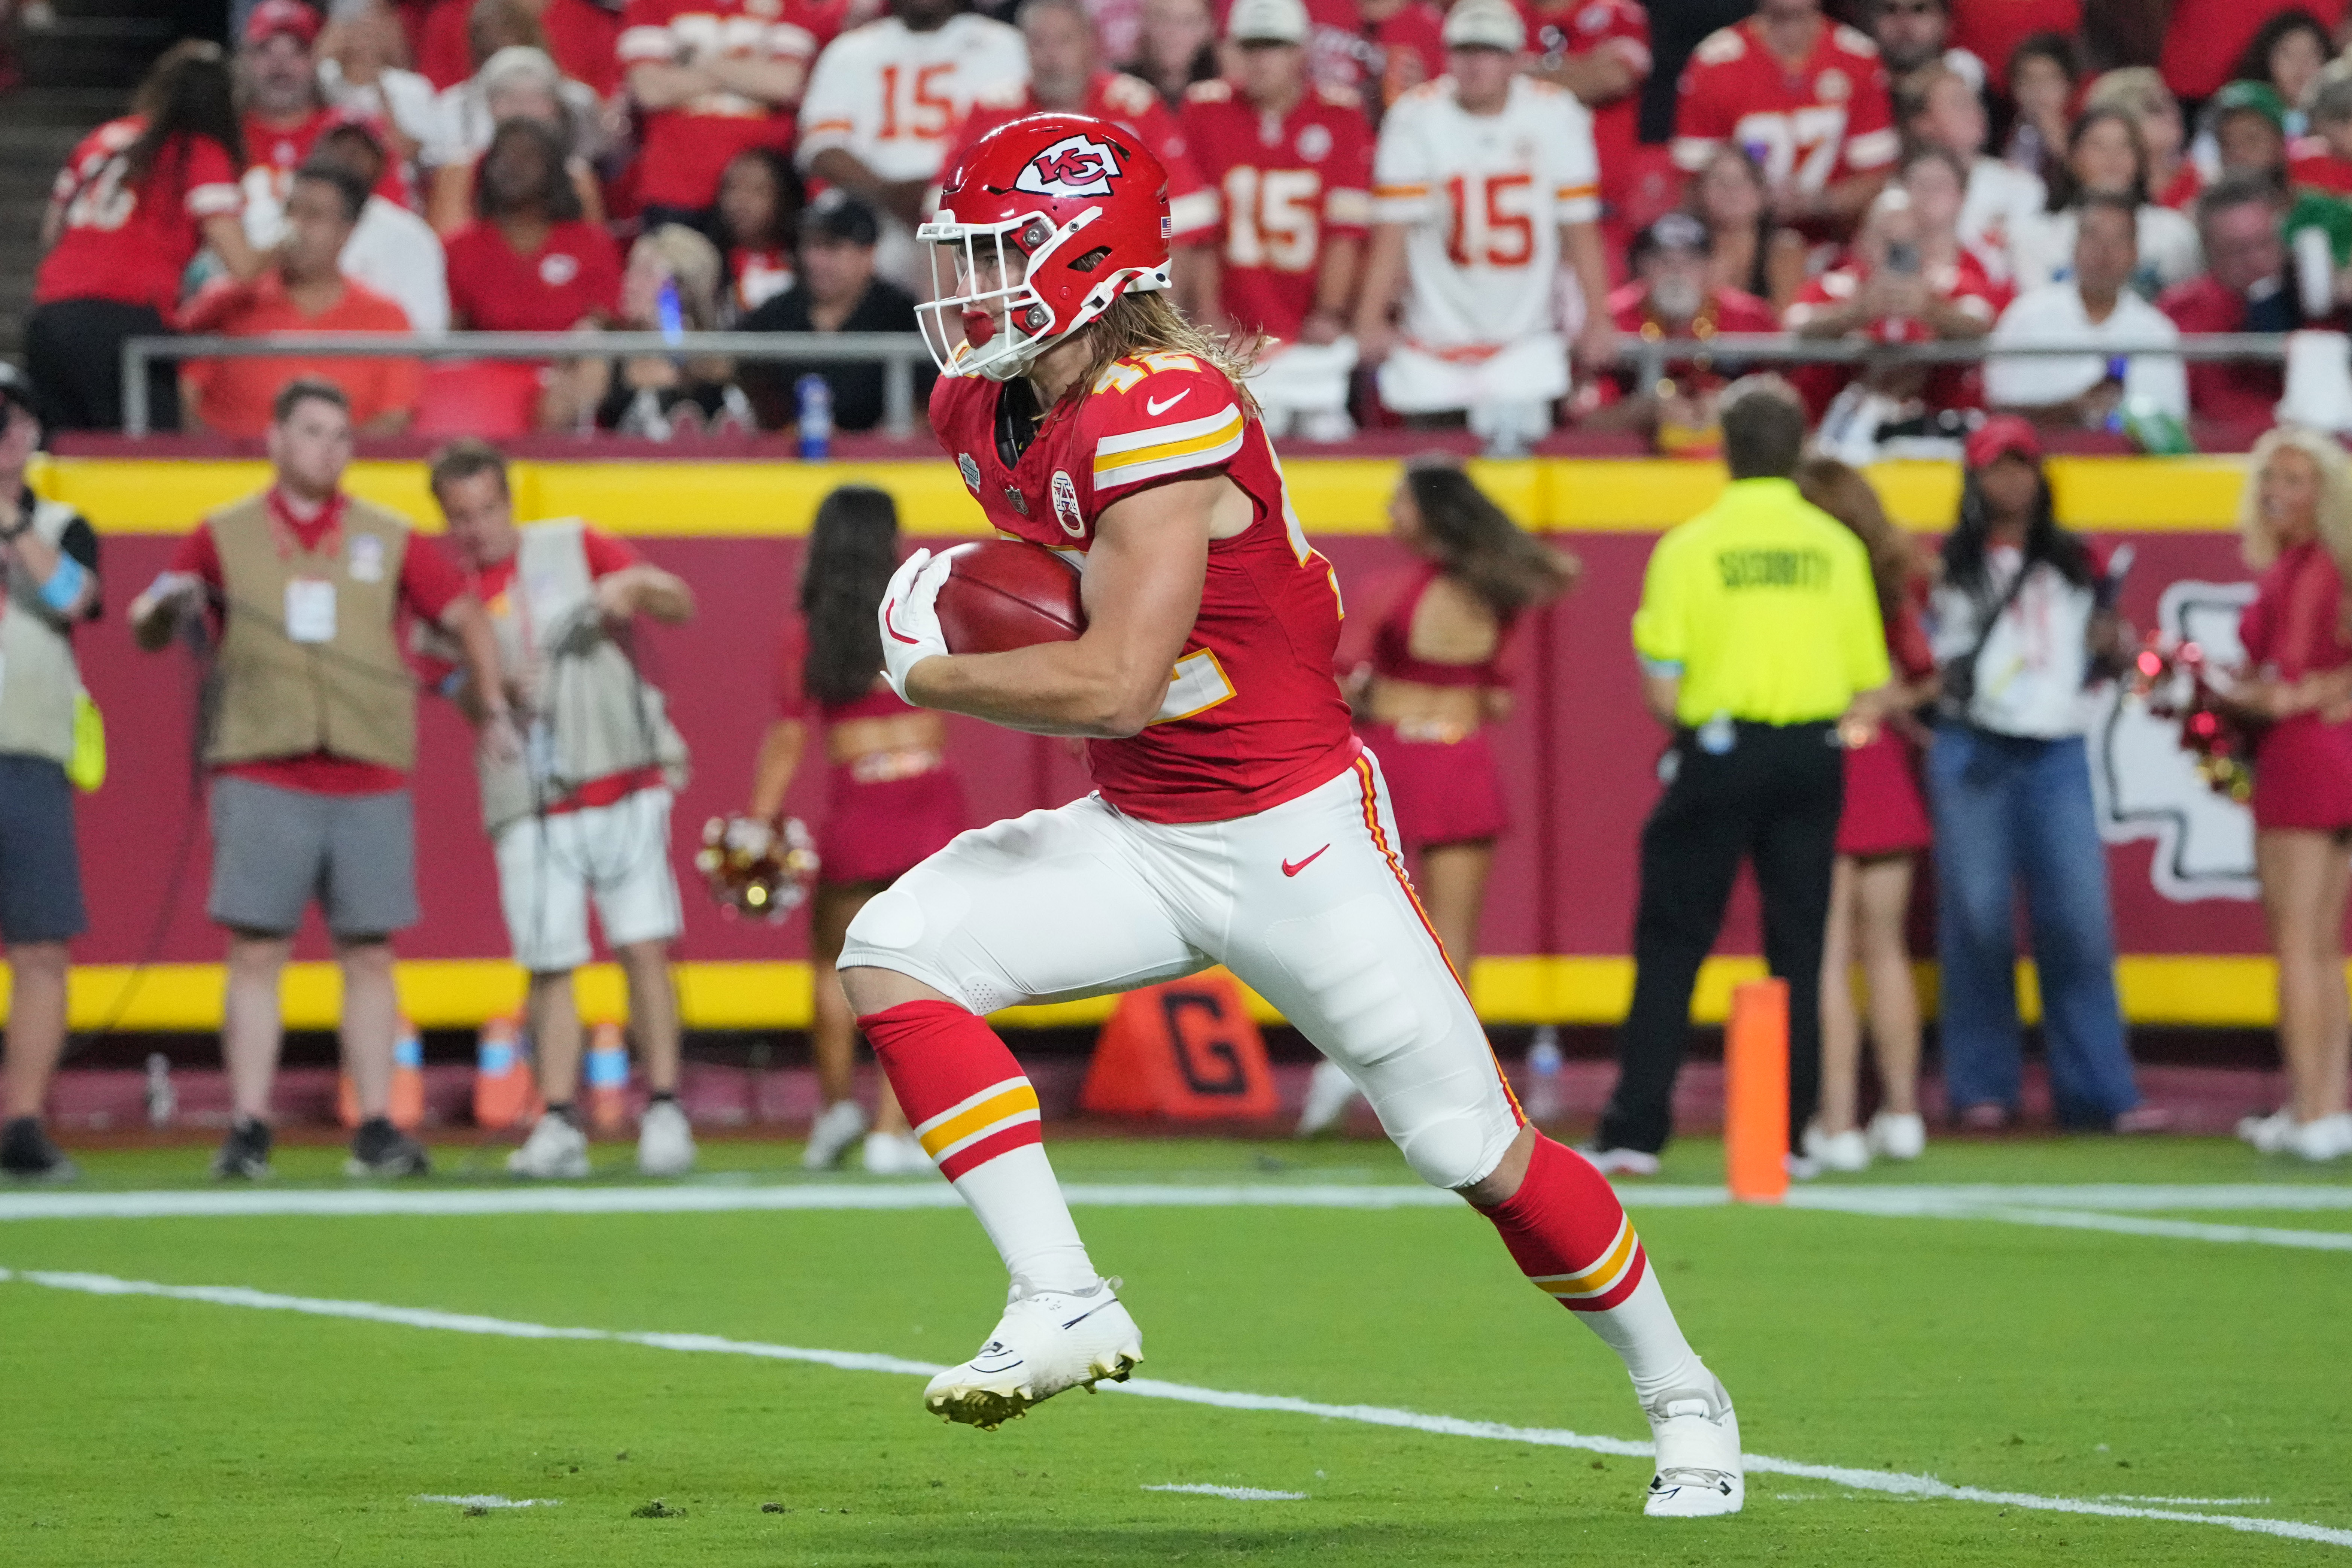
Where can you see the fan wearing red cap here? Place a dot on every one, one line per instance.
(1238, 819)
(285, 111)
(2020, 624)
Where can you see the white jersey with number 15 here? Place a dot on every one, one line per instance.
(1485, 195)
(893, 97)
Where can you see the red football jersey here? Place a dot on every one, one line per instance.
(1992, 29)
(1125, 101)
(688, 146)
(1964, 282)
(1826, 120)
(1285, 187)
(1578, 27)
(2319, 170)
(131, 243)
(2203, 39)
(272, 153)
(575, 273)
(1253, 715)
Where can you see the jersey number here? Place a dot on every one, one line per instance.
(1484, 232)
(101, 202)
(1120, 376)
(1271, 218)
(1802, 144)
(928, 115)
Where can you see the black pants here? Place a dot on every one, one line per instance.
(1773, 797)
(73, 351)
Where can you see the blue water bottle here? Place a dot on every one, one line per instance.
(815, 396)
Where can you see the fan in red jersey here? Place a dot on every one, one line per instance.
(1292, 163)
(285, 111)
(1600, 50)
(1238, 819)
(1806, 97)
(1065, 76)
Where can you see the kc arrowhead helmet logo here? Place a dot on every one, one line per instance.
(1076, 165)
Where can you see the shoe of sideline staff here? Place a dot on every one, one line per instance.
(836, 1127)
(894, 1154)
(1047, 1340)
(1896, 1136)
(380, 1148)
(1329, 1093)
(1846, 1152)
(1619, 1161)
(665, 1140)
(555, 1151)
(244, 1154)
(26, 1154)
(1699, 1472)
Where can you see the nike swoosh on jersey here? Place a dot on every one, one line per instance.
(1155, 409)
(1292, 868)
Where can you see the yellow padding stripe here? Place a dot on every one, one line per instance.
(1602, 1275)
(999, 1107)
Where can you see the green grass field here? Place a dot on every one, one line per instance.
(2172, 1343)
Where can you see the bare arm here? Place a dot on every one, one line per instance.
(53, 223)
(647, 590)
(225, 235)
(779, 759)
(466, 620)
(155, 613)
(777, 83)
(1596, 341)
(659, 84)
(1597, 76)
(39, 559)
(839, 167)
(1660, 693)
(1335, 289)
(1199, 274)
(1384, 276)
(1141, 592)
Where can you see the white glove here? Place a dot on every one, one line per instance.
(911, 621)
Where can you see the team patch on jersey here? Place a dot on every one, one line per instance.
(970, 469)
(1075, 166)
(1065, 505)
(1833, 86)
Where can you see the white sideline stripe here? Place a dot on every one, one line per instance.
(2203, 1501)
(1238, 1494)
(2172, 1229)
(487, 1500)
(1899, 1202)
(1892, 1484)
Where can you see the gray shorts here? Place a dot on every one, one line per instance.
(275, 849)
(40, 874)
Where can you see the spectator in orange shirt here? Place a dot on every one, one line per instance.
(305, 290)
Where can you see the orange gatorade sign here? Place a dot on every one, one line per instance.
(1187, 1049)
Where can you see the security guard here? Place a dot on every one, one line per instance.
(1759, 641)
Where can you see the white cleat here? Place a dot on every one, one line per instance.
(665, 1140)
(838, 1126)
(1896, 1136)
(1047, 1340)
(895, 1154)
(2327, 1138)
(555, 1151)
(1619, 1161)
(1329, 1093)
(1699, 1472)
(1845, 1152)
(2268, 1134)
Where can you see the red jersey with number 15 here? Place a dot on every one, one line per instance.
(1253, 716)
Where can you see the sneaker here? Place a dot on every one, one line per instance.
(1800, 1167)
(1897, 1135)
(1845, 1152)
(665, 1140)
(1619, 1161)
(555, 1151)
(1699, 1472)
(895, 1154)
(2141, 1120)
(831, 1134)
(26, 1154)
(244, 1154)
(1329, 1093)
(2267, 1133)
(1047, 1341)
(2327, 1138)
(380, 1148)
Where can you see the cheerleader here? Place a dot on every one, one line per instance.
(1427, 665)
(891, 800)
(1880, 836)
(2297, 527)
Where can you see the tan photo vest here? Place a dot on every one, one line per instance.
(37, 674)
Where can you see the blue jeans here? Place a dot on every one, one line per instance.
(2007, 810)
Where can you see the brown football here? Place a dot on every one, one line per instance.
(1003, 593)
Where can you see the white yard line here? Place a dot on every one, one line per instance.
(1238, 1494)
(487, 1500)
(1888, 1483)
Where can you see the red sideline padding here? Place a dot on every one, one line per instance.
(1187, 1049)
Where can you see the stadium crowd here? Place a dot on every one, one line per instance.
(1425, 218)
(1471, 215)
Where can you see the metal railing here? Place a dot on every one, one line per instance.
(898, 353)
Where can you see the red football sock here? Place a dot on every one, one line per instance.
(975, 1114)
(968, 1099)
(1568, 1232)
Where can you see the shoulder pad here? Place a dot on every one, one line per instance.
(1339, 96)
(1128, 95)
(1720, 47)
(1854, 41)
(1216, 89)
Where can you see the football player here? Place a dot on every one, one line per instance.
(1237, 819)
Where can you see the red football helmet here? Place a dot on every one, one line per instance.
(1043, 222)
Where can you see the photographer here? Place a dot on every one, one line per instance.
(311, 736)
(48, 556)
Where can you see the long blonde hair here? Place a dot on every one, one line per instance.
(1145, 323)
(2257, 546)
(1847, 495)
